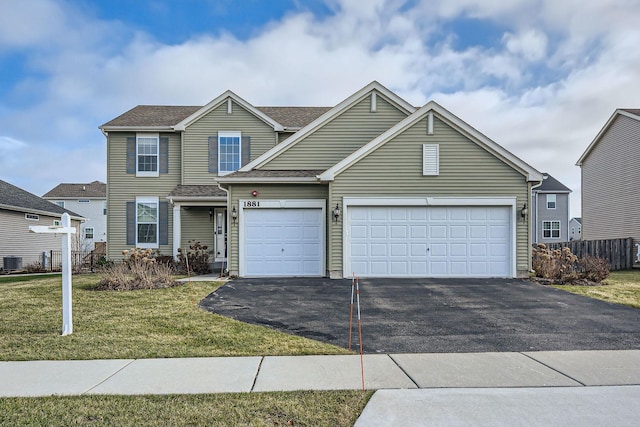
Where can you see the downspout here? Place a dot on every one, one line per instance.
(533, 224)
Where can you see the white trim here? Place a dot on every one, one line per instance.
(276, 179)
(604, 130)
(155, 173)
(277, 204)
(374, 102)
(430, 123)
(327, 117)
(510, 202)
(229, 106)
(475, 136)
(215, 103)
(177, 229)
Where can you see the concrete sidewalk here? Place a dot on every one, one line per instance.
(455, 388)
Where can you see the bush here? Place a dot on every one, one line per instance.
(562, 266)
(35, 267)
(138, 271)
(196, 257)
(557, 265)
(594, 269)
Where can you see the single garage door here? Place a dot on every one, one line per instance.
(429, 241)
(283, 242)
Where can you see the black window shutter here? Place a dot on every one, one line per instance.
(164, 154)
(245, 150)
(131, 154)
(163, 219)
(213, 154)
(131, 223)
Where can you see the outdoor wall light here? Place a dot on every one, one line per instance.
(234, 215)
(524, 211)
(336, 213)
(210, 214)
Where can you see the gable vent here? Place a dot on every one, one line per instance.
(430, 159)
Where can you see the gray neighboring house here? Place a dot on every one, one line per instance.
(90, 201)
(610, 169)
(550, 211)
(18, 210)
(575, 229)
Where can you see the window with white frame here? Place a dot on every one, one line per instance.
(57, 223)
(88, 233)
(551, 229)
(32, 217)
(551, 201)
(229, 155)
(60, 203)
(104, 207)
(147, 154)
(147, 222)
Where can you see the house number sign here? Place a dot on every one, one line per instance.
(251, 204)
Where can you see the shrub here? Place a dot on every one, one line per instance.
(557, 265)
(594, 269)
(138, 271)
(35, 267)
(196, 256)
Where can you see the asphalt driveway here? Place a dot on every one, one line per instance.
(432, 315)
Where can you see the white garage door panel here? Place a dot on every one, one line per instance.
(283, 242)
(429, 241)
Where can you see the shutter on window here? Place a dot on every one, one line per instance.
(131, 223)
(430, 159)
(164, 154)
(213, 154)
(246, 150)
(131, 154)
(163, 223)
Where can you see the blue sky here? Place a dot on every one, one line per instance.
(539, 77)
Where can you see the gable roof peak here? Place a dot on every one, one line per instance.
(632, 113)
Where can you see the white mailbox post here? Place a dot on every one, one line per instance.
(66, 230)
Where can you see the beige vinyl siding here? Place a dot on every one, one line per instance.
(610, 175)
(19, 242)
(123, 187)
(197, 227)
(196, 136)
(266, 192)
(395, 170)
(340, 137)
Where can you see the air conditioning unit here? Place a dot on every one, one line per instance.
(12, 263)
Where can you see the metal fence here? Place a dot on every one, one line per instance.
(619, 252)
(81, 261)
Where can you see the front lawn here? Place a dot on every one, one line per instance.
(622, 287)
(129, 324)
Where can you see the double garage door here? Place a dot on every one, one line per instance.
(421, 241)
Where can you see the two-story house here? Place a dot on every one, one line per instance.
(550, 211)
(372, 186)
(610, 175)
(575, 228)
(88, 200)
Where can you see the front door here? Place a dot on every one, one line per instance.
(220, 233)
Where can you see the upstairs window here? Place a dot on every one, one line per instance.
(147, 149)
(551, 201)
(60, 203)
(88, 233)
(551, 229)
(229, 152)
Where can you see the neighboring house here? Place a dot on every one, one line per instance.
(575, 229)
(550, 211)
(610, 168)
(18, 210)
(372, 186)
(88, 200)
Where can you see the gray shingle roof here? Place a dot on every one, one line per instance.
(197, 191)
(551, 185)
(294, 117)
(15, 197)
(168, 115)
(95, 189)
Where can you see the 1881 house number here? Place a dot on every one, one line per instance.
(251, 204)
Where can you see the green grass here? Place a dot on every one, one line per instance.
(622, 287)
(132, 324)
(147, 324)
(303, 408)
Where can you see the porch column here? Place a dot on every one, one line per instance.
(176, 229)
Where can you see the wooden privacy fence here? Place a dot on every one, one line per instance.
(619, 252)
